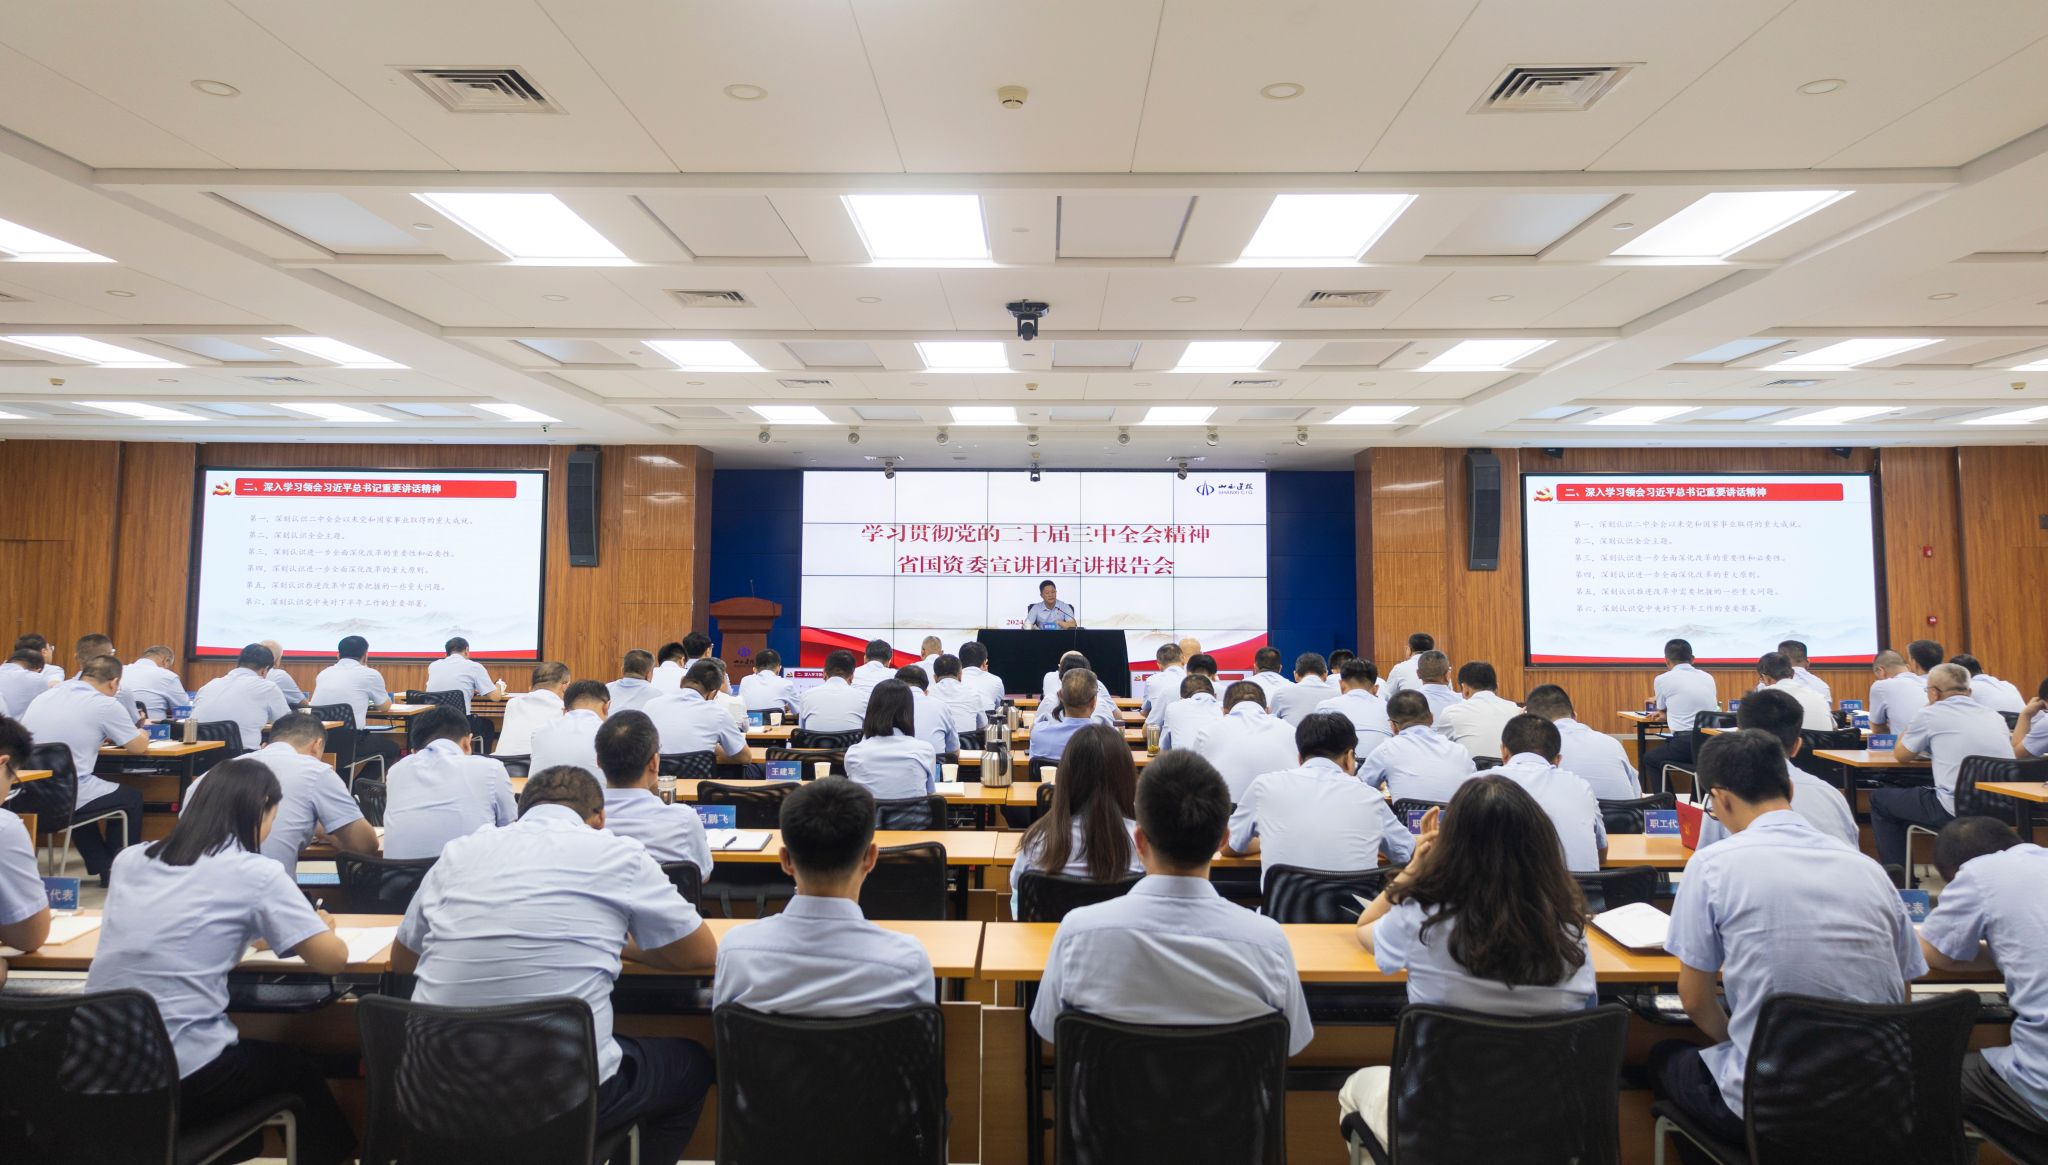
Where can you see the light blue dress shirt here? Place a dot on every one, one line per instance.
(1320, 817)
(1683, 693)
(1782, 909)
(1273, 683)
(1172, 952)
(1597, 759)
(1077, 858)
(1367, 713)
(671, 833)
(1894, 700)
(690, 723)
(1996, 694)
(157, 689)
(932, 724)
(629, 694)
(19, 687)
(174, 933)
(767, 692)
(580, 893)
(1417, 764)
(75, 715)
(987, 683)
(1162, 688)
(892, 767)
(351, 682)
(2036, 739)
(1104, 711)
(293, 693)
(868, 674)
(571, 741)
(526, 714)
(1044, 618)
(1997, 899)
(1049, 737)
(832, 706)
(1440, 697)
(1568, 802)
(459, 673)
(1400, 677)
(1814, 682)
(1821, 803)
(313, 796)
(1948, 730)
(1295, 701)
(821, 958)
(250, 700)
(963, 705)
(1436, 979)
(1247, 742)
(21, 880)
(440, 793)
(1188, 718)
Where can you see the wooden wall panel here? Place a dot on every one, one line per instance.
(57, 532)
(2004, 496)
(1922, 554)
(152, 547)
(1405, 574)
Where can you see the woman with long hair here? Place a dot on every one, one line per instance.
(1088, 830)
(178, 918)
(889, 758)
(1484, 917)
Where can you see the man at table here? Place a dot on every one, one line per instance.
(2030, 732)
(1076, 710)
(1049, 613)
(1795, 651)
(535, 709)
(46, 651)
(974, 674)
(1357, 703)
(1774, 673)
(961, 702)
(688, 721)
(350, 681)
(1310, 688)
(1173, 951)
(928, 652)
(91, 647)
(1105, 708)
(1819, 802)
(820, 957)
(456, 672)
(572, 740)
(151, 683)
(585, 899)
(1682, 693)
(1993, 918)
(1432, 681)
(629, 755)
(1987, 689)
(22, 680)
(312, 793)
(441, 792)
(1594, 757)
(1320, 816)
(24, 904)
(1192, 714)
(765, 689)
(1528, 752)
(668, 676)
(834, 705)
(1777, 909)
(1476, 719)
(1952, 726)
(633, 688)
(1248, 740)
(1402, 675)
(1895, 693)
(1162, 687)
(1266, 673)
(933, 721)
(245, 695)
(81, 715)
(293, 693)
(875, 666)
(1417, 763)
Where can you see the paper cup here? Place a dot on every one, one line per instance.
(774, 719)
(950, 773)
(821, 770)
(1048, 774)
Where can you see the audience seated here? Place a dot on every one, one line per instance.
(293, 694)
(1682, 693)
(440, 792)
(1528, 751)
(1162, 687)
(629, 755)
(572, 740)
(1356, 702)
(689, 722)
(1594, 757)
(310, 794)
(635, 685)
(1951, 727)
(890, 759)
(1320, 815)
(1476, 719)
(150, 685)
(456, 672)
(1402, 675)
(934, 723)
(24, 904)
(1895, 692)
(671, 660)
(875, 666)
(1432, 680)
(965, 707)
(2030, 733)
(1821, 803)
(82, 714)
(1988, 689)
(1775, 675)
(245, 695)
(22, 680)
(834, 705)
(351, 681)
(975, 676)
(1266, 672)
(1194, 712)
(1310, 688)
(1795, 653)
(928, 652)
(1104, 708)
(1078, 706)
(765, 689)
(533, 710)
(1089, 829)
(1416, 763)
(1247, 740)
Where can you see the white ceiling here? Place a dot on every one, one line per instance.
(1121, 192)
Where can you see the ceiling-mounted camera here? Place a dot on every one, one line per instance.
(1028, 313)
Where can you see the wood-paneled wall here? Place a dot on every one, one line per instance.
(1963, 544)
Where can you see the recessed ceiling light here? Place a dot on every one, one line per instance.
(27, 246)
(1838, 416)
(531, 228)
(1225, 355)
(964, 355)
(1323, 226)
(423, 226)
(1282, 91)
(97, 352)
(2032, 366)
(1846, 354)
(330, 412)
(1178, 414)
(1371, 415)
(1624, 226)
(911, 227)
(1824, 85)
(867, 299)
(138, 410)
(1367, 383)
(216, 88)
(745, 92)
(1726, 221)
(1943, 295)
(1498, 298)
(334, 351)
(2017, 417)
(984, 415)
(791, 414)
(1484, 355)
(517, 412)
(1183, 299)
(167, 380)
(118, 293)
(1142, 384)
(705, 355)
(1642, 415)
(917, 384)
(555, 298)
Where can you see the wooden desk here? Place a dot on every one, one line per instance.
(1007, 843)
(971, 794)
(1639, 849)
(2024, 795)
(1644, 722)
(970, 758)
(964, 847)
(1863, 758)
(183, 757)
(32, 775)
(402, 711)
(77, 954)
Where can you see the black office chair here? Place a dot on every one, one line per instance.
(927, 812)
(1190, 1095)
(829, 741)
(908, 881)
(377, 885)
(1978, 770)
(54, 802)
(1813, 740)
(370, 795)
(2012, 719)
(94, 1078)
(687, 879)
(868, 1088)
(974, 741)
(516, 766)
(1627, 816)
(511, 1085)
(342, 741)
(690, 766)
(1468, 1087)
(1713, 720)
(2015, 1142)
(1403, 806)
(754, 806)
(1483, 763)
(1833, 1083)
(1041, 762)
(1048, 897)
(1608, 889)
(228, 733)
(1300, 894)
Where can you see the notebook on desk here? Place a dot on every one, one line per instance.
(1638, 926)
(63, 928)
(737, 840)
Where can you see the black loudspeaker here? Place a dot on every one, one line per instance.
(1482, 510)
(583, 507)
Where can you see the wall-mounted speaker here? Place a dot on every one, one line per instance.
(1482, 510)
(582, 486)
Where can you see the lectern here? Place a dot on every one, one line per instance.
(743, 626)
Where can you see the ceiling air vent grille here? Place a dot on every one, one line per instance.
(1256, 383)
(1550, 88)
(710, 298)
(483, 90)
(1792, 383)
(798, 383)
(1343, 298)
(277, 379)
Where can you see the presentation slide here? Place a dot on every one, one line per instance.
(1615, 564)
(949, 553)
(404, 558)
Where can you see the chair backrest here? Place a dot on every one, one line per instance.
(1627, 816)
(687, 879)
(1137, 1092)
(1483, 763)
(466, 1086)
(1470, 1087)
(908, 881)
(1813, 738)
(374, 885)
(863, 1088)
(2012, 719)
(346, 713)
(1403, 806)
(369, 795)
(1713, 720)
(55, 797)
(1976, 770)
(690, 766)
(1044, 797)
(1031, 769)
(1048, 897)
(911, 813)
(973, 741)
(89, 1078)
(836, 741)
(516, 766)
(1299, 894)
(1830, 1083)
(445, 699)
(754, 806)
(1608, 889)
(227, 732)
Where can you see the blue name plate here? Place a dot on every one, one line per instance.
(319, 878)
(718, 816)
(182, 712)
(1735, 705)
(1916, 904)
(1660, 822)
(1883, 741)
(159, 731)
(757, 719)
(785, 770)
(1415, 821)
(63, 893)
(1852, 705)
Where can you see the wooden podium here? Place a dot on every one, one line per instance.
(743, 626)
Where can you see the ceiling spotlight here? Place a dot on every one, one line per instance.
(1012, 96)
(1301, 436)
(1824, 85)
(216, 88)
(1031, 437)
(853, 436)
(1212, 435)
(745, 92)
(1943, 295)
(763, 438)
(120, 294)
(1624, 226)
(889, 468)
(1180, 469)
(1282, 91)
(943, 438)
(1034, 474)
(1123, 436)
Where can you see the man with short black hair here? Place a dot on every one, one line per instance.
(91, 647)
(670, 661)
(47, 650)
(150, 683)
(1432, 680)
(1192, 714)
(834, 705)
(764, 689)
(1895, 694)
(1049, 613)
(975, 676)
(1339, 658)
(1924, 655)
(313, 795)
(635, 685)
(534, 709)
(1953, 726)
(696, 646)
(2030, 730)
(1528, 752)
(820, 957)
(1248, 740)
(1795, 651)
(456, 672)
(1162, 687)
(440, 791)
(1173, 951)
(628, 749)
(81, 715)
(1776, 675)
(351, 681)
(1476, 719)
(1683, 692)
(1266, 672)
(572, 740)
(244, 696)
(1320, 815)
(1823, 805)
(1988, 689)
(1356, 702)
(1402, 675)
(962, 703)
(1594, 757)
(22, 680)
(933, 723)
(689, 721)
(876, 667)
(1418, 763)
(293, 693)
(1310, 688)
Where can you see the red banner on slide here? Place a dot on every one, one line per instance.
(1687, 491)
(1538, 660)
(391, 488)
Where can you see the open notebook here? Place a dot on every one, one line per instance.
(748, 840)
(364, 944)
(63, 928)
(1638, 926)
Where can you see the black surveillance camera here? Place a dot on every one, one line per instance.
(1034, 473)
(1842, 451)
(1028, 313)
(1554, 453)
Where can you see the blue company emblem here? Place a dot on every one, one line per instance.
(1205, 489)
(1233, 487)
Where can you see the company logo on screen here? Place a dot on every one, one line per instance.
(1233, 488)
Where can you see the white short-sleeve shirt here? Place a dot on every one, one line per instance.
(1367, 713)
(77, 716)
(629, 694)
(821, 958)
(1819, 802)
(1477, 722)
(1597, 759)
(250, 700)
(1819, 717)
(526, 714)
(1948, 730)
(572, 741)
(1418, 764)
(1162, 688)
(1295, 701)
(1247, 742)
(688, 722)
(1996, 694)
(1187, 718)
(1997, 899)
(1320, 817)
(671, 833)
(1438, 980)
(351, 682)
(832, 706)
(157, 689)
(1683, 693)
(765, 691)
(1894, 699)
(440, 793)
(1568, 802)
(21, 880)
(459, 673)
(987, 683)
(19, 687)
(313, 796)
(892, 767)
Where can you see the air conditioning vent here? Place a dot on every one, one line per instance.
(1792, 383)
(482, 90)
(693, 413)
(798, 383)
(710, 298)
(1343, 298)
(1550, 88)
(277, 379)
(1256, 383)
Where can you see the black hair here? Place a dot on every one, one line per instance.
(1528, 733)
(29, 658)
(440, 723)
(839, 662)
(1045, 584)
(1772, 665)
(1959, 842)
(104, 668)
(1340, 657)
(1321, 734)
(767, 659)
(705, 676)
(827, 826)
(563, 785)
(1358, 671)
(15, 743)
(1793, 650)
(1266, 659)
(1774, 712)
(586, 691)
(1241, 692)
(973, 654)
(626, 741)
(1420, 642)
(1548, 701)
(637, 663)
(32, 642)
(255, 657)
(1477, 673)
(696, 643)
(889, 710)
(913, 675)
(1203, 662)
(1750, 764)
(1168, 654)
(1183, 807)
(671, 651)
(1409, 707)
(1968, 663)
(1196, 682)
(1677, 651)
(1097, 788)
(947, 664)
(879, 651)
(1925, 652)
(228, 806)
(94, 644)
(297, 728)
(352, 647)
(1312, 663)
(454, 645)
